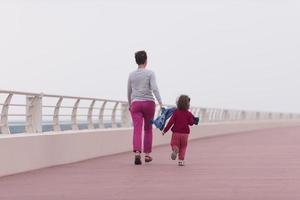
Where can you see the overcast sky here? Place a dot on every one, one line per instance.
(242, 54)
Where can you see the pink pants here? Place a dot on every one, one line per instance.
(142, 111)
(179, 141)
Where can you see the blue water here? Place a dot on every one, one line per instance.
(20, 127)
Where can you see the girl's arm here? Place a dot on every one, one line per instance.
(191, 119)
(170, 123)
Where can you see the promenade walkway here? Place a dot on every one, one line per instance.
(257, 165)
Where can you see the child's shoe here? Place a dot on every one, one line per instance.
(180, 163)
(174, 154)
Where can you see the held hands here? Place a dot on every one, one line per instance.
(163, 132)
(161, 105)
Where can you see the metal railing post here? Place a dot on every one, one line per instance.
(223, 115)
(4, 115)
(209, 114)
(270, 116)
(281, 116)
(74, 115)
(232, 115)
(226, 115)
(257, 116)
(238, 115)
(243, 115)
(101, 115)
(213, 114)
(113, 116)
(33, 114)
(217, 114)
(56, 125)
(90, 115)
(199, 114)
(203, 114)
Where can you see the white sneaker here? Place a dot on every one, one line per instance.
(174, 154)
(180, 163)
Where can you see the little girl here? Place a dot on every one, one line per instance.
(180, 122)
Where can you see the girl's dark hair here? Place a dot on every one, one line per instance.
(183, 102)
(140, 57)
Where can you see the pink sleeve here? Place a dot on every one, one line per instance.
(191, 119)
(170, 123)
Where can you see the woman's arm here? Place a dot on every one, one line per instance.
(129, 91)
(154, 88)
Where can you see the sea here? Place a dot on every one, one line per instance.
(19, 127)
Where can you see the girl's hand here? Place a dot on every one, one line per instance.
(163, 133)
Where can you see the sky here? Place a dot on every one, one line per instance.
(238, 54)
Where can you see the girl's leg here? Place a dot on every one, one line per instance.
(175, 144)
(148, 113)
(137, 119)
(175, 141)
(183, 146)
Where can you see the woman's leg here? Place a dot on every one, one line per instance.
(183, 145)
(148, 113)
(137, 119)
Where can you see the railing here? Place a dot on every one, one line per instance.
(110, 113)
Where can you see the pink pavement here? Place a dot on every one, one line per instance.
(257, 165)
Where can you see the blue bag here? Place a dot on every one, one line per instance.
(161, 120)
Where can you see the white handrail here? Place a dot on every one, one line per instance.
(34, 112)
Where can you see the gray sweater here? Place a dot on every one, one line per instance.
(141, 86)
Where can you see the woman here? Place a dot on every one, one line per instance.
(141, 86)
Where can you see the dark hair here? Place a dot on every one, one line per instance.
(140, 57)
(183, 102)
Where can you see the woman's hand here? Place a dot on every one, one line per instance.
(161, 105)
